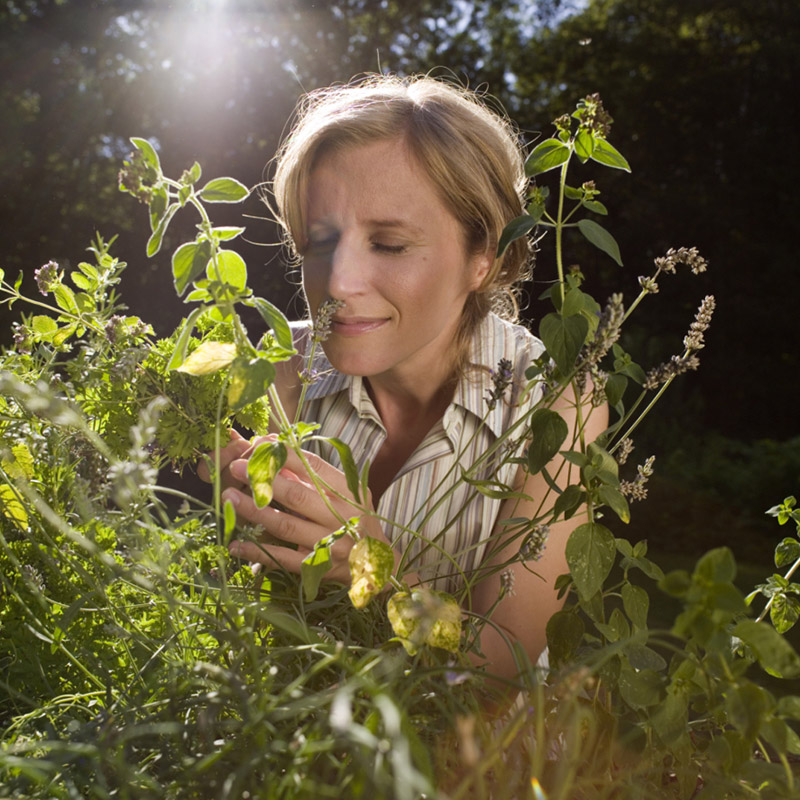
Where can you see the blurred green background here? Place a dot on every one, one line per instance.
(702, 95)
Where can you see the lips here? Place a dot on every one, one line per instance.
(355, 326)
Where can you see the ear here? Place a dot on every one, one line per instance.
(480, 265)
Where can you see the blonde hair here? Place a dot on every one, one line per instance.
(470, 153)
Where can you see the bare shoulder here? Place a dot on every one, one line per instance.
(287, 373)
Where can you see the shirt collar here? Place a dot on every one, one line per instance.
(486, 349)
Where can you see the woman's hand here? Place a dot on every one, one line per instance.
(298, 514)
(236, 448)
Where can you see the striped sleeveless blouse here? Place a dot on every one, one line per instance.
(435, 518)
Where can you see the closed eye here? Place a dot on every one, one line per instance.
(322, 244)
(390, 249)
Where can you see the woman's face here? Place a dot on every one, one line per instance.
(381, 240)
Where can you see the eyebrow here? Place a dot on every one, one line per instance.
(395, 223)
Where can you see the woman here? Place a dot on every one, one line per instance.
(393, 193)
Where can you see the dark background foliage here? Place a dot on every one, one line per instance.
(702, 95)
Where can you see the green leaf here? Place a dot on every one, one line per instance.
(747, 705)
(600, 238)
(85, 303)
(226, 232)
(548, 432)
(563, 338)
(194, 172)
(548, 155)
(250, 379)
(568, 502)
(639, 689)
(615, 389)
(314, 566)
(607, 154)
(574, 303)
(596, 206)
(616, 501)
(636, 603)
(643, 657)
(584, 145)
(789, 706)
(228, 267)
(590, 555)
(65, 298)
(11, 508)
(717, 566)
(81, 281)
(517, 228)
(262, 467)
(179, 354)
(564, 635)
(670, 719)
(773, 652)
(148, 151)
(224, 190)
(275, 320)
(158, 206)
(208, 358)
(787, 552)
(229, 514)
(784, 612)
(154, 242)
(44, 326)
(189, 262)
(348, 465)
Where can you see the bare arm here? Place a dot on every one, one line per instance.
(523, 614)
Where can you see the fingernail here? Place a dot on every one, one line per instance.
(239, 470)
(231, 495)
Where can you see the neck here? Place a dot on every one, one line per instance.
(399, 401)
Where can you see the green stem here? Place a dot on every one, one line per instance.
(560, 221)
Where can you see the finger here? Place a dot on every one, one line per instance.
(274, 556)
(270, 555)
(281, 524)
(236, 447)
(299, 495)
(330, 476)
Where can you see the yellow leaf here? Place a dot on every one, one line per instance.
(209, 357)
(11, 507)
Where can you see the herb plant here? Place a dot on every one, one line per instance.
(141, 661)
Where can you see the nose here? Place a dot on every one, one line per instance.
(347, 272)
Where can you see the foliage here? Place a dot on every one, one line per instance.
(141, 662)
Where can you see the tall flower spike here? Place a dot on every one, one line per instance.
(677, 365)
(534, 543)
(322, 325)
(501, 380)
(683, 255)
(637, 488)
(46, 277)
(694, 338)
